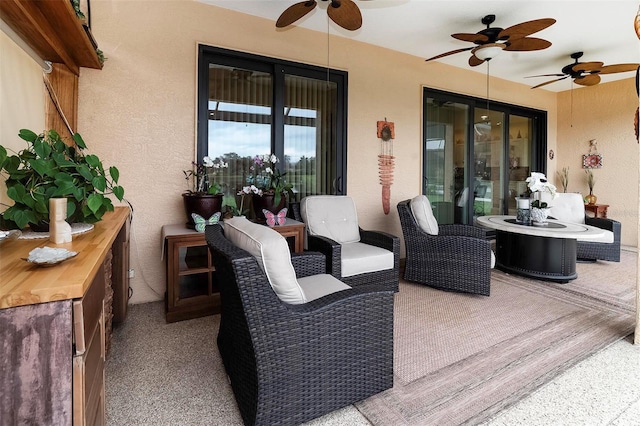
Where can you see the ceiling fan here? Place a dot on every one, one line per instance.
(343, 12)
(491, 41)
(585, 73)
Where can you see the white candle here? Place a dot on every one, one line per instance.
(523, 203)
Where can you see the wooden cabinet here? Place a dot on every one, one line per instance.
(53, 326)
(191, 287)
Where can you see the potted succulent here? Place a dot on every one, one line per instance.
(204, 193)
(49, 168)
(271, 185)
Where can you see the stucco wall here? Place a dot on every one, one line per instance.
(138, 113)
(604, 113)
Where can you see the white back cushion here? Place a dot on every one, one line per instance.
(331, 216)
(568, 207)
(421, 210)
(272, 253)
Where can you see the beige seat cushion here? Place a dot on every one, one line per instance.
(422, 212)
(316, 286)
(272, 253)
(360, 258)
(331, 216)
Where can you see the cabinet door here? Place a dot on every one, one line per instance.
(35, 372)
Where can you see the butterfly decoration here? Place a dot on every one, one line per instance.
(275, 219)
(201, 222)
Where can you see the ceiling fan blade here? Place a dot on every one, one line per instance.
(588, 80)
(610, 69)
(549, 82)
(345, 13)
(526, 28)
(474, 61)
(587, 66)
(295, 12)
(545, 75)
(527, 44)
(473, 38)
(453, 52)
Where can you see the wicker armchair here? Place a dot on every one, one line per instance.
(332, 229)
(290, 363)
(569, 207)
(458, 258)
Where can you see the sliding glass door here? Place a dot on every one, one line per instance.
(477, 155)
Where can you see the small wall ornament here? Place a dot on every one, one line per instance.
(386, 161)
(592, 160)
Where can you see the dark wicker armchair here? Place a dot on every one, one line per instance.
(457, 259)
(291, 363)
(332, 248)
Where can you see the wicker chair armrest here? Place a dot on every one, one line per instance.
(380, 239)
(602, 223)
(308, 263)
(355, 296)
(332, 251)
(462, 230)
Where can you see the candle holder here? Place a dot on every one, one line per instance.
(523, 210)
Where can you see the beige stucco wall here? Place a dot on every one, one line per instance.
(604, 113)
(138, 113)
(21, 100)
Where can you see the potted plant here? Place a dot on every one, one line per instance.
(270, 183)
(591, 181)
(538, 184)
(204, 194)
(50, 168)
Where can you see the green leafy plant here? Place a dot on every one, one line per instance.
(49, 168)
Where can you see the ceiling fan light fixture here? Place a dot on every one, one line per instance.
(488, 51)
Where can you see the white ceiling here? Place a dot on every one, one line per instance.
(603, 30)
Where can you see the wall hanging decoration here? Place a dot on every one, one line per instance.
(592, 160)
(386, 161)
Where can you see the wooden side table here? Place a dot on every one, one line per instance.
(191, 288)
(599, 210)
(292, 228)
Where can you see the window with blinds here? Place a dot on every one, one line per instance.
(251, 105)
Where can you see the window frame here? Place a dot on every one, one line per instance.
(278, 68)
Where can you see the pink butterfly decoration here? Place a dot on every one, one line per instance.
(275, 219)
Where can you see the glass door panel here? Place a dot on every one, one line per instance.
(309, 139)
(488, 148)
(445, 181)
(520, 164)
(239, 120)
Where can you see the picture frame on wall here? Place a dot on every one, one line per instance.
(591, 161)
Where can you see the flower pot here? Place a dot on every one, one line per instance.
(266, 201)
(539, 216)
(206, 205)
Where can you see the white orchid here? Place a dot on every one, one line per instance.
(538, 183)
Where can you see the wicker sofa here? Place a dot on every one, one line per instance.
(448, 257)
(289, 363)
(354, 255)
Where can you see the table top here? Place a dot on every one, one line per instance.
(23, 283)
(569, 230)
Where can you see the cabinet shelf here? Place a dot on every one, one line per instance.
(52, 29)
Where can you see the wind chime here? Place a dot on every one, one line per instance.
(386, 161)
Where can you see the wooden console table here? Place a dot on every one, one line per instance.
(599, 210)
(53, 325)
